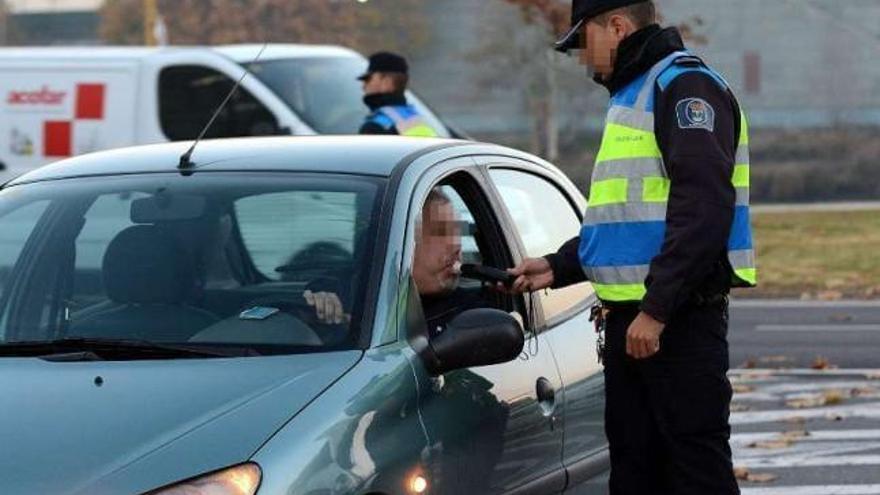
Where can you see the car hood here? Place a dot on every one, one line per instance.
(126, 427)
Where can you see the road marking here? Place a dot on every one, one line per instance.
(868, 410)
(797, 303)
(818, 328)
(814, 490)
(813, 436)
(763, 373)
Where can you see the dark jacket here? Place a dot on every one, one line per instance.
(693, 259)
(375, 102)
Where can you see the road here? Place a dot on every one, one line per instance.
(816, 431)
(810, 432)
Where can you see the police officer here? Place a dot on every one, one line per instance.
(666, 234)
(385, 84)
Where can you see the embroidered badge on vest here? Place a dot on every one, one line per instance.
(695, 113)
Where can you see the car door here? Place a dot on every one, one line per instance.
(493, 429)
(545, 214)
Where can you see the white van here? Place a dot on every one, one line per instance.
(60, 102)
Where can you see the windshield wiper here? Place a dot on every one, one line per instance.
(87, 349)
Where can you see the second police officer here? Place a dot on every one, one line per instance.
(385, 85)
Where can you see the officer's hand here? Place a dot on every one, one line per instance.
(643, 337)
(328, 307)
(531, 275)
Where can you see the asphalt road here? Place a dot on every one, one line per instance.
(804, 431)
(808, 431)
(794, 333)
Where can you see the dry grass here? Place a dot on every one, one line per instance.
(818, 255)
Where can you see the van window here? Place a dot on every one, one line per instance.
(325, 93)
(189, 95)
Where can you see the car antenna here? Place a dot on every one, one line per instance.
(186, 162)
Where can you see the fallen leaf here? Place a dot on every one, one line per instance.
(865, 392)
(762, 478)
(822, 363)
(795, 434)
(833, 397)
(806, 402)
(737, 407)
(744, 474)
(749, 364)
(795, 420)
(770, 444)
(741, 473)
(740, 388)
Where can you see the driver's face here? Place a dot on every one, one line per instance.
(438, 250)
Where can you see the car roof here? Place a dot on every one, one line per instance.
(238, 53)
(364, 155)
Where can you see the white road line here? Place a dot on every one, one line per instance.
(797, 303)
(814, 436)
(869, 410)
(790, 387)
(776, 373)
(814, 490)
(800, 461)
(798, 452)
(818, 328)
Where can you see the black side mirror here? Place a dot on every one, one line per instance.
(478, 337)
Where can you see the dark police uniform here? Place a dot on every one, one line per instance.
(672, 249)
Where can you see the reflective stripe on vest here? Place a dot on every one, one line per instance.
(625, 222)
(408, 122)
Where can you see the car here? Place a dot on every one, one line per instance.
(59, 102)
(156, 337)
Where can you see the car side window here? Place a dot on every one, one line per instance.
(456, 223)
(17, 227)
(190, 94)
(545, 220)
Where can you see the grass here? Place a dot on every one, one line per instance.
(818, 255)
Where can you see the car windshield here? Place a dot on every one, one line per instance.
(214, 259)
(325, 92)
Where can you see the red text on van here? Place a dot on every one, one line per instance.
(43, 96)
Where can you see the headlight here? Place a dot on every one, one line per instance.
(239, 480)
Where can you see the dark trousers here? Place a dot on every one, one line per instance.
(667, 417)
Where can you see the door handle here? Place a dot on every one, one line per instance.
(546, 396)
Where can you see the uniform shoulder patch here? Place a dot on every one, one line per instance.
(695, 113)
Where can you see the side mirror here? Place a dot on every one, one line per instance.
(478, 337)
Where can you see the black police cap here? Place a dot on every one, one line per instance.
(581, 12)
(385, 62)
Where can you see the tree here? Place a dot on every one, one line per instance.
(4, 23)
(544, 74)
(386, 23)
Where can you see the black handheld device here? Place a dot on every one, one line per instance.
(487, 274)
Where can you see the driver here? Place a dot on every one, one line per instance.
(436, 271)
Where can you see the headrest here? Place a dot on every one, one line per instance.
(144, 264)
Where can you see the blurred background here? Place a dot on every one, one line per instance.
(806, 72)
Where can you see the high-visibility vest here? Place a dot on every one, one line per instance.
(625, 222)
(405, 118)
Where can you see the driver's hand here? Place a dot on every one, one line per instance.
(328, 307)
